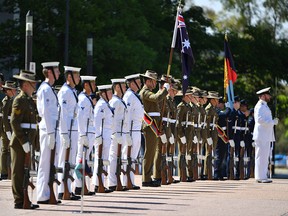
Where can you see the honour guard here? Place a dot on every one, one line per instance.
(10, 89)
(23, 123)
(86, 131)
(212, 134)
(68, 129)
(150, 101)
(184, 134)
(135, 113)
(103, 120)
(48, 109)
(118, 136)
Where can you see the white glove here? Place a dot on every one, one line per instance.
(117, 137)
(183, 140)
(172, 139)
(227, 105)
(195, 139)
(9, 135)
(242, 144)
(253, 144)
(232, 143)
(83, 141)
(128, 139)
(209, 141)
(167, 86)
(26, 147)
(98, 140)
(275, 120)
(163, 138)
(51, 141)
(65, 140)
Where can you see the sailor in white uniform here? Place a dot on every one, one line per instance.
(263, 135)
(48, 109)
(103, 119)
(120, 112)
(86, 130)
(68, 127)
(135, 113)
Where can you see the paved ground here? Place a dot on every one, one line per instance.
(197, 198)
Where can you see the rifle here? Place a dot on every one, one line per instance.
(252, 162)
(53, 170)
(182, 161)
(232, 152)
(129, 168)
(164, 166)
(27, 182)
(242, 152)
(119, 186)
(210, 152)
(66, 176)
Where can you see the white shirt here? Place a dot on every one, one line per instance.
(120, 111)
(85, 115)
(68, 102)
(102, 113)
(263, 129)
(135, 110)
(47, 106)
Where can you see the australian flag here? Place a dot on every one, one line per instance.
(187, 58)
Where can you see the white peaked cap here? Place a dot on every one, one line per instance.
(88, 78)
(104, 87)
(264, 91)
(120, 80)
(133, 76)
(73, 69)
(50, 64)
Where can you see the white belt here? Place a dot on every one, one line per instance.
(28, 126)
(169, 120)
(153, 114)
(186, 123)
(237, 128)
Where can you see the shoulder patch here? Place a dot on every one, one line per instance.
(17, 111)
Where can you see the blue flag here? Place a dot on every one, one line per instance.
(186, 52)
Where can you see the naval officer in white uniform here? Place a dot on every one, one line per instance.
(263, 135)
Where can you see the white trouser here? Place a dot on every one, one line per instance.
(113, 162)
(136, 145)
(91, 136)
(72, 156)
(262, 151)
(43, 191)
(105, 154)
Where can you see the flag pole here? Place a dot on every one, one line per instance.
(173, 39)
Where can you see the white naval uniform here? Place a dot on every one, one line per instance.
(103, 119)
(135, 113)
(47, 106)
(120, 111)
(85, 128)
(68, 102)
(263, 135)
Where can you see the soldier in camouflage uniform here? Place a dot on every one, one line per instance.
(23, 122)
(10, 89)
(211, 141)
(151, 106)
(184, 134)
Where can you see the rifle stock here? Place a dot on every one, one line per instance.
(66, 194)
(183, 164)
(101, 188)
(241, 165)
(129, 169)
(27, 182)
(164, 166)
(119, 186)
(231, 164)
(52, 179)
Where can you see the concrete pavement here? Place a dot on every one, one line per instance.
(197, 198)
